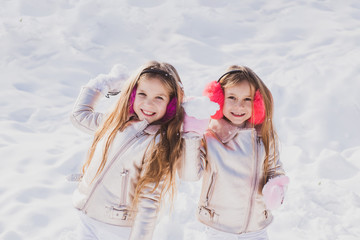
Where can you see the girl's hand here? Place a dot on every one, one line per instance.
(274, 191)
(192, 124)
(110, 84)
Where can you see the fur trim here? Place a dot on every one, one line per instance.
(258, 116)
(215, 93)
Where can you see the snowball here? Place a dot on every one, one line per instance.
(119, 71)
(111, 82)
(200, 107)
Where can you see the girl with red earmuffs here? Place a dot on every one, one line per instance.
(237, 156)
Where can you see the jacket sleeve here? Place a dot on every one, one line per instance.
(275, 167)
(147, 213)
(83, 115)
(192, 163)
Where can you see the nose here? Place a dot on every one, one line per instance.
(241, 104)
(148, 102)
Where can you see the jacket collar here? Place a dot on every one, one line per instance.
(225, 130)
(145, 126)
(152, 129)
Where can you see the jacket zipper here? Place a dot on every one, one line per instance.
(254, 182)
(124, 184)
(210, 190)
(109, 166)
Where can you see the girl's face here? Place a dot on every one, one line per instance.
(237, 104)
(151, 100)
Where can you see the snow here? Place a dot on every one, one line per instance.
(306, 51)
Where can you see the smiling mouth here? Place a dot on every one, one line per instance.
(238, 115)
(147, 113)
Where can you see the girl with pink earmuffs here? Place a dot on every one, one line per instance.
(132, 161)
(238, 158)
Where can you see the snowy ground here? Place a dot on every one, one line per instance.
(306, 51)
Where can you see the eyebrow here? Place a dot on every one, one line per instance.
(157, 94)
(232, 93)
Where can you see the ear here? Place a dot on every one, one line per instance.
(215, 93)
(258, 115)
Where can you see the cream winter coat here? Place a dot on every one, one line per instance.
(108, 197)
(231, 162)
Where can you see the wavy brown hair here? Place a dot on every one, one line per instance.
(164, 153)
(266, 129)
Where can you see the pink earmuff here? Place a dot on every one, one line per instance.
(170, 109)
(132, 100)
(215, 93)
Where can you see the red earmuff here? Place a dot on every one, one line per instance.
(215, 93)
(258, 115)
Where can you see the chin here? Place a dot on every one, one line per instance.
(151, 120)
(148, 119)
(237, 122)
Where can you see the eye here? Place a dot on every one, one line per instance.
(231, 97)
(247, 99)
(141, 94)
(160, 98)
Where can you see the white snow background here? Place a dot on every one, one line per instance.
(307, 52)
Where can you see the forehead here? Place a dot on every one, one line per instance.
(153, 84)
(241, 88)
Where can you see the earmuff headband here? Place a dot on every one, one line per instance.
(229, 72)
(149, 70)
(164, 74)
(158, 71)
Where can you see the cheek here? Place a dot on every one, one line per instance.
(228, 104)
(248, 106)
(162, 106)
(137, 102)
(226, 109)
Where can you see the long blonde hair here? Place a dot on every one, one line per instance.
(164, 155)
(267, 131)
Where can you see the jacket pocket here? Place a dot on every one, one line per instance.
(204, 210)
(210, 189)
(121, 213)
(266, 214)
(208, 213)
(120, 210)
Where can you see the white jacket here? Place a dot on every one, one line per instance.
(109, 196)
(231, 162)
